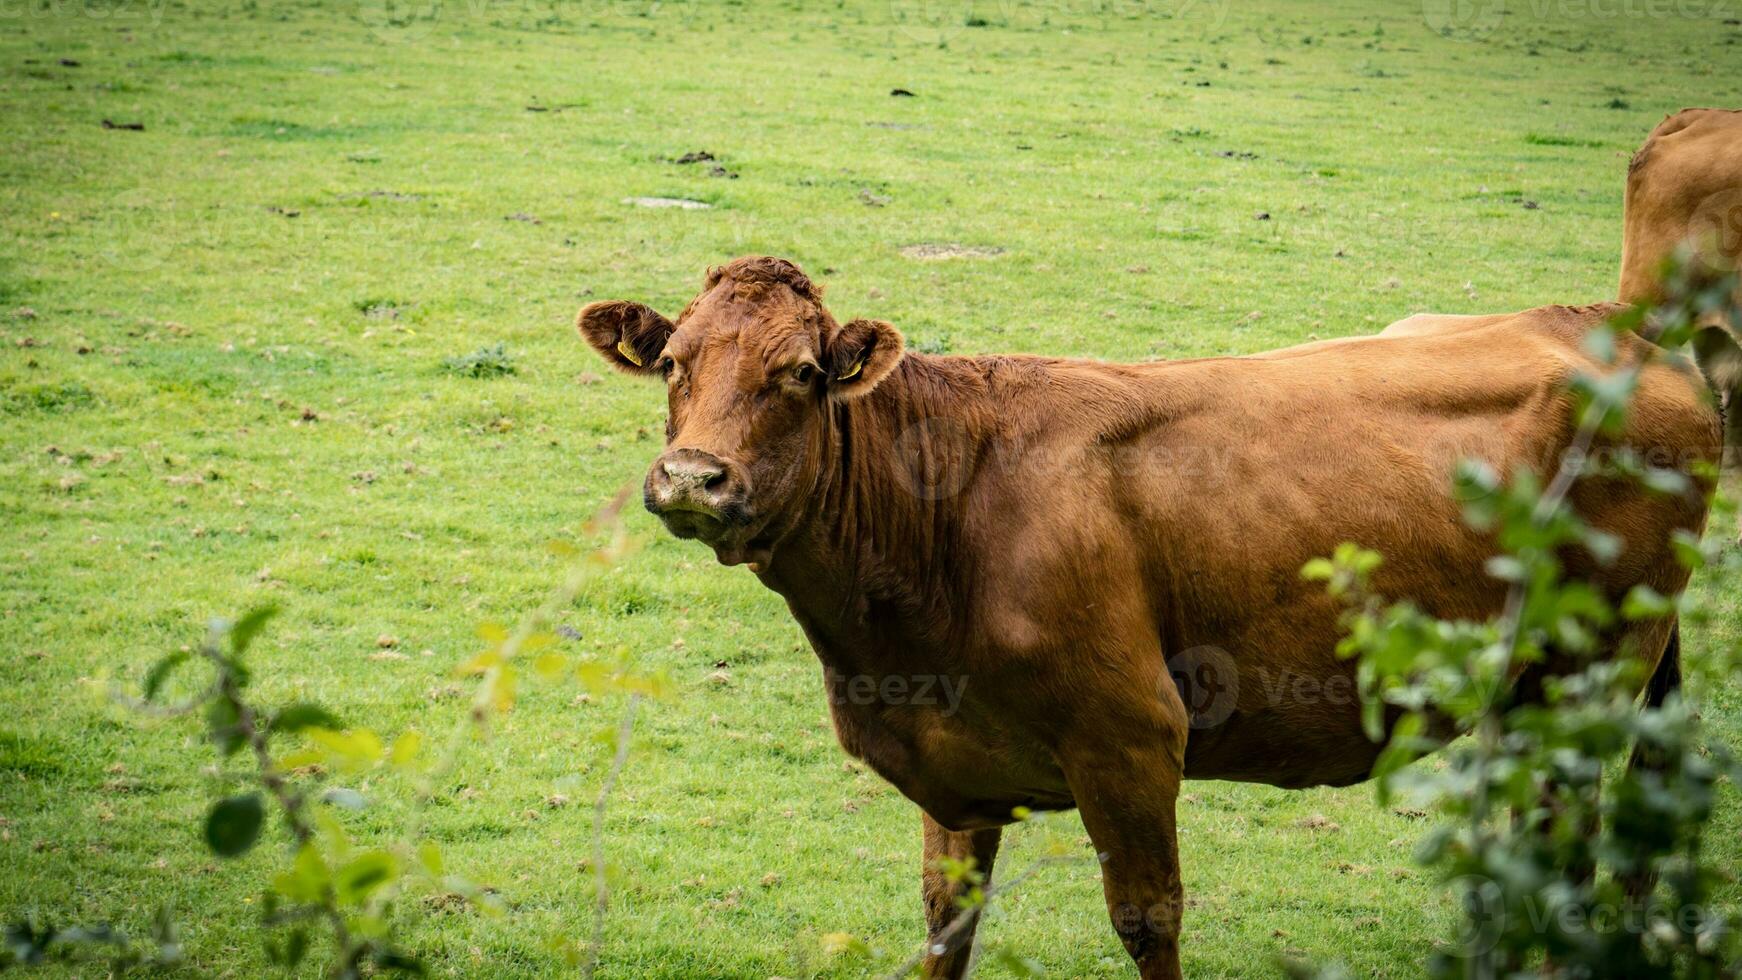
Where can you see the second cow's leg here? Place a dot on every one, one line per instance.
(949, 945)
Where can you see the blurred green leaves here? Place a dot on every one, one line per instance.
(233, 825)
(331, 883)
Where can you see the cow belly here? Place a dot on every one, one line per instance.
(1296, 731)
(1279, 749)
(965, 776)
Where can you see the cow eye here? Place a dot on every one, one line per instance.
(803, 373)
(664, 366)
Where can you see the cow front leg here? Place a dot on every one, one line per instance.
(1126, 794)
(949, 940)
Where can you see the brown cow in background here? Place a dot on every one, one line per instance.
(1067, 544)
(1685, 186)
(1684, 183)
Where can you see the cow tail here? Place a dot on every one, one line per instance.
(1667, 678)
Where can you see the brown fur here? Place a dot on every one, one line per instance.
(1061, 537)
(1689, 158)
(1683, 184)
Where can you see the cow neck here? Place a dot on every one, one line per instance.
(873, 542)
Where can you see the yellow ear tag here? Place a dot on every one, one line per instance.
(628, 352)
(852, 373)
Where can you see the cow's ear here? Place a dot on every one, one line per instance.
(629, 335)
(861, 354)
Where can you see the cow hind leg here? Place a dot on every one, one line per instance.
(1665, 680)
(950, 936)
(1554, 797)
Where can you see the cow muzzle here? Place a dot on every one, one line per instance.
(696, 494)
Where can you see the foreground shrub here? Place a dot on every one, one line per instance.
(334, 897)
(1563, 860)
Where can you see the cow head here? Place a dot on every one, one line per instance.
(753, 369)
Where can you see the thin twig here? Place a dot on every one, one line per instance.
(601, 888)
(289, 800)
(481, 705)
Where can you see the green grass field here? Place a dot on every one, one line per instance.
(222, 383)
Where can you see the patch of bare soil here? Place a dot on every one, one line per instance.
(667, 202)
(943, 251)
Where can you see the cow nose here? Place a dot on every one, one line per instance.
(689, 479)
(693, 474)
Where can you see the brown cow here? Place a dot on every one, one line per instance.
(1054, 539)
(1685, 186)
(1684, 183)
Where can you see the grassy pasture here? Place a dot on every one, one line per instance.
(224, 380)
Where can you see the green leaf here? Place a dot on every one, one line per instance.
(352, 751)
(244, 630)
(429, 854)
(1645, 602)
(234, 825)
(304, 714)
(1017, 964)
(1506, 568)
(398, 961)
(226, 726)
(1402, 750)
(1601, 344)
(1666, 481)
(839, 943)
(307, 877)
(363, 874)
(161, 670)
(1688, 550)
(1604, 547)
(405, 749)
